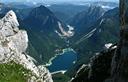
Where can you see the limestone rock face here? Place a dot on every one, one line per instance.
(13, 44)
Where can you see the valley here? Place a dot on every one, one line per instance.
(63, 37)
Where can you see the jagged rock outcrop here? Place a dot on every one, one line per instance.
(119, 71)
(13, 44)
(98, 69)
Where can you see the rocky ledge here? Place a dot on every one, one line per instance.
(13, 45)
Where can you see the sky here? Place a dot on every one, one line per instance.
(46, 1)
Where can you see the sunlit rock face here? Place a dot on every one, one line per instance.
(13, 44)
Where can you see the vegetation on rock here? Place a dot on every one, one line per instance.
(12, 72)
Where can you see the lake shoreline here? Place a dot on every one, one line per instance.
(61, 71)
(63, 51)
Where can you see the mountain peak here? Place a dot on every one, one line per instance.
(39, 11)
(12, 18)
(96, 9)
(41, 6)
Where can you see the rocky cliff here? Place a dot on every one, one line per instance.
(119, 71)
(13, 44)
(110, 66)
(98, 69)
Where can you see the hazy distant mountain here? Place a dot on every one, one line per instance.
(21, 10)
(65, 11)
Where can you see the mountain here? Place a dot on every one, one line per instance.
(46, 33)
(109, 65)
(17, 5)
(51, 32)
(65, 12)
(42, 18)
(15, 63)
(21, 11)
(84, 20)
(106, 5)
(105, 30)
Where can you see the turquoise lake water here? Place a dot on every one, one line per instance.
(63, 62)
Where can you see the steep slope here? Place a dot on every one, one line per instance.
(46, 33)
(105, 30)
(13, 45)
(66, 11)
(119, 68)
(83, 21)
(98, 68)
